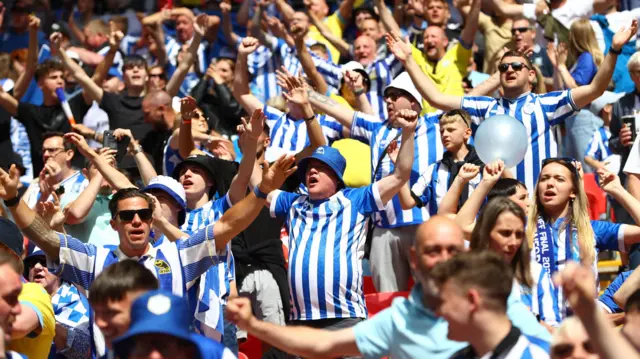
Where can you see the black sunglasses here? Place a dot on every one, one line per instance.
(516, 66)
(127, 215)
(157, 75)
(521, 29)
(31, 262)
(565, 350)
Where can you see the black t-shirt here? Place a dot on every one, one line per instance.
(38, 120)
(5, 136)
(125, 112)
(154, 143)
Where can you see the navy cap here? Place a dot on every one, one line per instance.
(329, 156)
(11, 236)
(156, 312)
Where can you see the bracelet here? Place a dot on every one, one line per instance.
(14, 202)
(614, 51)
(137, 149)
(310, 118)
(358, 92)
(259, 193)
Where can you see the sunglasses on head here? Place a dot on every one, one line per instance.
(520, 29)
(565, 350)
(570, 162)
(516, 66)
(128, 215)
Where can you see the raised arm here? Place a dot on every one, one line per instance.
(23, 81)
(227, 28)
(309, 68)
(242, 16)
(403, 52)
(145, 167)
(355, 81)
(200, 26)
(387, 19)
(115, 37)
(249, 136)
(391, 184)
(467, 214)
(584, 95)
(630, 286)
(299, 340)
(92, 90)
(242, 214)
(241, 81)
(336, 41)
(504, 9)
(286, 10)
(468, 34)
(449, 203)
(8, 103)
(32, 225)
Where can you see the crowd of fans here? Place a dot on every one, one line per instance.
(177, 176)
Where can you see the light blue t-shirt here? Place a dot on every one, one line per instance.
(409, 330)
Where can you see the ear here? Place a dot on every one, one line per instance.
(70, 154)
(267, 141)
(413, 259)
(467, 134)
(474, 298)
(112, 222)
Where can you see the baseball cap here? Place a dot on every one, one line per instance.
(174, 189)
(156, 312)
(403, 82)
(329, 156)
(356, 66)
(113, 72)
(11, 236)
(607, 97)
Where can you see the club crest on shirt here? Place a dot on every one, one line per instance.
(334, 206)
(529, 108)
(162, 266)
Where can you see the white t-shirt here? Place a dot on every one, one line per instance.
(633, 161)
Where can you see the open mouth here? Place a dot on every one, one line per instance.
(548, 195)
(38, 277)
(136, 233)
(313, 181)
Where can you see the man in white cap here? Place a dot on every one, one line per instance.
(395, 228)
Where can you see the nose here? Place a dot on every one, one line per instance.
(38, 267)
(16, 310)
(136, 219)
(100, 322)
(445, 255)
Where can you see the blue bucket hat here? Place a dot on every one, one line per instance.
(156, 312)
(174, 189)
(327, 155)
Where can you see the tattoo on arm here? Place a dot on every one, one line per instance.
(45, 237)
(322, 99)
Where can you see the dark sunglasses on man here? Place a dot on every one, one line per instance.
(127, 215)
(566, 350)
(516, 66)
(520, 29)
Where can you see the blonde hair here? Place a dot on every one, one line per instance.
(456, 115)
(578, 217)
(567, 329)
(98, 27)
(582, 38)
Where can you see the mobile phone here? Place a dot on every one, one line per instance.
(630, 121)
(109, 140)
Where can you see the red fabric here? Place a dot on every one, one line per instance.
(376, 302)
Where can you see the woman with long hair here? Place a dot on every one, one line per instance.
(559, 229)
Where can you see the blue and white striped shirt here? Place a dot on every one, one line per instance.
(73, 186)
(22, 146)
(433, 185)
(538, 113)
(173, 47)
(427, 150)
(598, 148)
(547, 300)
(262, 65)
(289, 135)
(326, 247)
(177, 265)
(214, 284)
(69, 307)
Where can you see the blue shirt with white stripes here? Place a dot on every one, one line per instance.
(433, 185)
(427, 150)
(177, 265)
(598, 147)
(214, 286)
(289, 135)
(547, 300)
(326, 247)
(262, 65)
(538, 113)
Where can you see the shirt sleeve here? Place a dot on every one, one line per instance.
(331, 72)
(476, 106)
(593, 149)
(558, 106)
(331, 128)
(374, 337)
(281, 203)
(366, 199)
(606, 299)
(609, 236)
(272, 117)
(198, 253)
(76, 261)
(422, 187)
(35, 297)
(363, 127)
(585, 69)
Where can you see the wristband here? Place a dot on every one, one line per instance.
(310, 118)
(259, 193)
(12, 202)
(358, 92)
(137, 149)
(614, 51)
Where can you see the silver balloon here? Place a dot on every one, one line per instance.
(501, 137)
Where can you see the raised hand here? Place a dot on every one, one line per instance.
(274, 176)
(55, 39)
(253, 129)
(295, 90)
(579, 286)
(9, 183)
(624, 35)
(393, 150)
(34, 23)
(562, 53)
(407, 119)
(157, 208)
(608, 181)
(115, 36)
(248, 45)
(225, 7)
(239, 312)
(51, 173)
(354, 81)
(83, 130)
(552, 53)
(201, 24)
(401, 49)
(188, 107)
(468, 172)
(52, 214)
(493, 171)
(276, 27)
(297, 31)
(80, 143)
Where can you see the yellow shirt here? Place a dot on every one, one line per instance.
(336, 26)
(447, 73)
(36, 345)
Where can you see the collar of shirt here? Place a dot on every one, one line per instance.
(150, 253)
(517, 98)
(503, 347)
(416, 300)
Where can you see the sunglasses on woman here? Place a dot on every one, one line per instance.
(128, 215)
(565, 350)
(516, 66)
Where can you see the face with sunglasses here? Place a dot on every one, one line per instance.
(133, 221)
(516, 76)
(573, 344)
(555, 187)
(37, 272)
(522, 33)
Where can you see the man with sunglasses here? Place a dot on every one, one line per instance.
(523, 35)
(176, 264)
(539, 113)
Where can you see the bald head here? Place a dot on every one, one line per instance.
(365, 50)
(158, 98)
(437, 240)
(157, 110)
